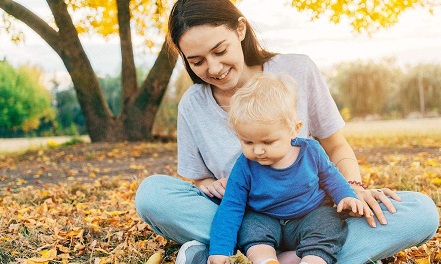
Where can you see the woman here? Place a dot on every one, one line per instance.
(221, 53)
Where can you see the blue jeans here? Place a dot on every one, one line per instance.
(319, 233)
(179, 211)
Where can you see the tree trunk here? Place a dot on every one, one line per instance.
(421, 95)
(100, 122)
(139, 106)
(128, 68)
(139, 112)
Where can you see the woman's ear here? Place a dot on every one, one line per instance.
(241, 28)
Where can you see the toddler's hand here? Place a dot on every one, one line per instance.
(357, 207)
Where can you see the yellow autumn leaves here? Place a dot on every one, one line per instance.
(46, 256)
(362, 15)
(101, 16)
(93, 219)
(417, 171)
(74, 223)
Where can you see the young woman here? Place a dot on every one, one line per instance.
(221, 53)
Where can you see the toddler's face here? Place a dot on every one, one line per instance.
(268, 143)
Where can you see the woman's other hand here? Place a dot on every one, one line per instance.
(372, 197)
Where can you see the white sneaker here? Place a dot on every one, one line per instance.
(192, 252)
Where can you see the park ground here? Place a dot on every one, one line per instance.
(70, 201)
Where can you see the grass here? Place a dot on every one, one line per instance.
(394, 133)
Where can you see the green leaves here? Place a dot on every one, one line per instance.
(23, 100)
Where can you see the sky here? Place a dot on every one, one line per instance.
(415, 39)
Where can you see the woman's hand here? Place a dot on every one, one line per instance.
(218, 259)
(372, 197)
(212, 187)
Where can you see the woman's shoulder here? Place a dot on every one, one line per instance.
(289, 59)
(289, 62)
(195, 92)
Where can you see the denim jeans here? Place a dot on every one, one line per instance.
(319, 233)
(179, 211)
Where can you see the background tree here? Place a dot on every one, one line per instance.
(24, 102)
(365, 87)
(112, 88)
(112, 92)
(166, 118)
(69, 115)
(139, 102)
(420, 89)
(70, 118)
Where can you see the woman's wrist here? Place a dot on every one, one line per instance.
(358, 184)
(206, 181)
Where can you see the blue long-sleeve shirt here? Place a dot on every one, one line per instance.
(286, 193)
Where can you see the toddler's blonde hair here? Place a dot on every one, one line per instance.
(265, 98)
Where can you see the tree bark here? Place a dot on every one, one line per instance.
(139, 113)
(99, 118)
(128, 68)
(139, 106)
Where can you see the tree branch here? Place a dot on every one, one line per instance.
(46, 32)
(155, 84)
(128, 68)
(62, 17)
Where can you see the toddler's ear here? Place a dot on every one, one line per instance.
(298, 125)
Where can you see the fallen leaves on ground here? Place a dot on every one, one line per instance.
(74, 223)
(85, 162)
(76, 204)
(414, 172)
(239, 258)
(84, 211)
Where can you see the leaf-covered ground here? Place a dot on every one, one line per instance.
(75, 204)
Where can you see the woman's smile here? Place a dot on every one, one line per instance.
(223, 75)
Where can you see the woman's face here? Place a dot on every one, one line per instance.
(215, 55)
